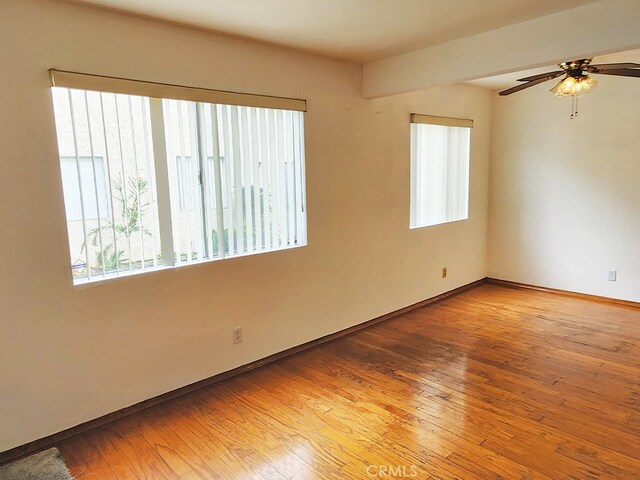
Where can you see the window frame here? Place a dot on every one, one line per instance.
(161, 190)
(415, 185)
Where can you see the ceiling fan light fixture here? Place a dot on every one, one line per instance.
(574, 86)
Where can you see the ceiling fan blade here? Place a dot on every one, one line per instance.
(608, 66)
(550, 75)
(517, 88)
(624, 72)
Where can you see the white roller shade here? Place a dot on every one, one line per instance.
(440, 151)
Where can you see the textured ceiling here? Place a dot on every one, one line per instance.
(355, 30)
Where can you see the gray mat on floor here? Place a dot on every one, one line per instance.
(46, 465)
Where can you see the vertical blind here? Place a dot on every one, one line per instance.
(151, 183)
(258, 179)
(439, 170)
(108, 179)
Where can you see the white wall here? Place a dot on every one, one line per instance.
(71, 354)
(565, 194)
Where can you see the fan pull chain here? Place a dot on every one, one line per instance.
(574, 106)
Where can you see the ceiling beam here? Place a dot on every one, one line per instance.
(603, 27)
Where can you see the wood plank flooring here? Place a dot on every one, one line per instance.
(495, 383)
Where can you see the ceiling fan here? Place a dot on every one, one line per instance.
(577, 80)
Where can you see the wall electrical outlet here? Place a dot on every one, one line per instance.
(444, 272)
(613, 275)
(237, 335)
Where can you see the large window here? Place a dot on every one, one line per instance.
(439, 170)
(153, 183)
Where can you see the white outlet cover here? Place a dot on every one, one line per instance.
(613, 275)
(237, 335)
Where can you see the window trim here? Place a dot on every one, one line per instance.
(103, 83)
(443, 121)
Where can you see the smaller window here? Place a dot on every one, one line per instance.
(439, 170)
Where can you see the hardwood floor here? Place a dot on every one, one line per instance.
(495, 383)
